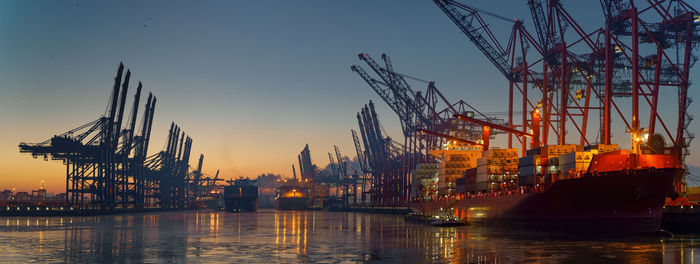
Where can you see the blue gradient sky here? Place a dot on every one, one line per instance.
(250, 81)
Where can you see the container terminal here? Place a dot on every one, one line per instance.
(108, 169)
(559, 169)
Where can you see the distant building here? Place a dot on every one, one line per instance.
(61, 197)
(22, 196)
(38, 195)
(6, 195)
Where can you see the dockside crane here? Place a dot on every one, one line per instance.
(335, 172)
(195, 182)
(417, 111)
(128, 188)
(141, 149)
(104, 164)
(344, 181)
(383, 160)
(510, 60)
(601, 71)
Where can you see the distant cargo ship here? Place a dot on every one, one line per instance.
(564, 188)
(292, 197)
(241, 195)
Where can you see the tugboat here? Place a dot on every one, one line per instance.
(241, 195)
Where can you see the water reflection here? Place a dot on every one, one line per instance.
(291, 230)
(306, 236)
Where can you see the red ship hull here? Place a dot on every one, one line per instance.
(624, 201)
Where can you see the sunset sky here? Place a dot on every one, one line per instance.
(251, 82)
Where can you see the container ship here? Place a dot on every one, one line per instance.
(573, 78)
(292, 196)
(241, 195)
(571, 188)
(585, 187)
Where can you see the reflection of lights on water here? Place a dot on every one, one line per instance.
(663, 249)
(277, 229)
(196, 222)
(41, 241)
(214, 223)
(433, 244)
(291, 223)
(305, 231)
(298, 233)
(284, 229)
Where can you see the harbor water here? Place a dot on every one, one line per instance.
(269, 236)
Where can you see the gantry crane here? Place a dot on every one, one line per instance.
(107, 166)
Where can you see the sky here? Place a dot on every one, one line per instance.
(251, 82)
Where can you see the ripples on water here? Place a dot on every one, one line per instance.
(269, 236)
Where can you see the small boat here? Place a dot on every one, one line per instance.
(418, 218)
(446, 218)
(443, 218)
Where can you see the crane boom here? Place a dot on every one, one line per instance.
(540, 21)
(493, 125)
(399, 90)
(358, 149)
(465, 20)
(384, 94)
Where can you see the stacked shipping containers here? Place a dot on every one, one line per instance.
(552, 152)
(603, 148)
(454, 163)
(573, 163)
(497, 169)
(554, 162)
(427, 175)
(469, 181)
(529, 167)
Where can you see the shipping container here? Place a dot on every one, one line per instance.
(459, 185)
(534, 151)
(527, 161)
(482, 186)
(470, 172)
(603, 148)
(524, 180)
